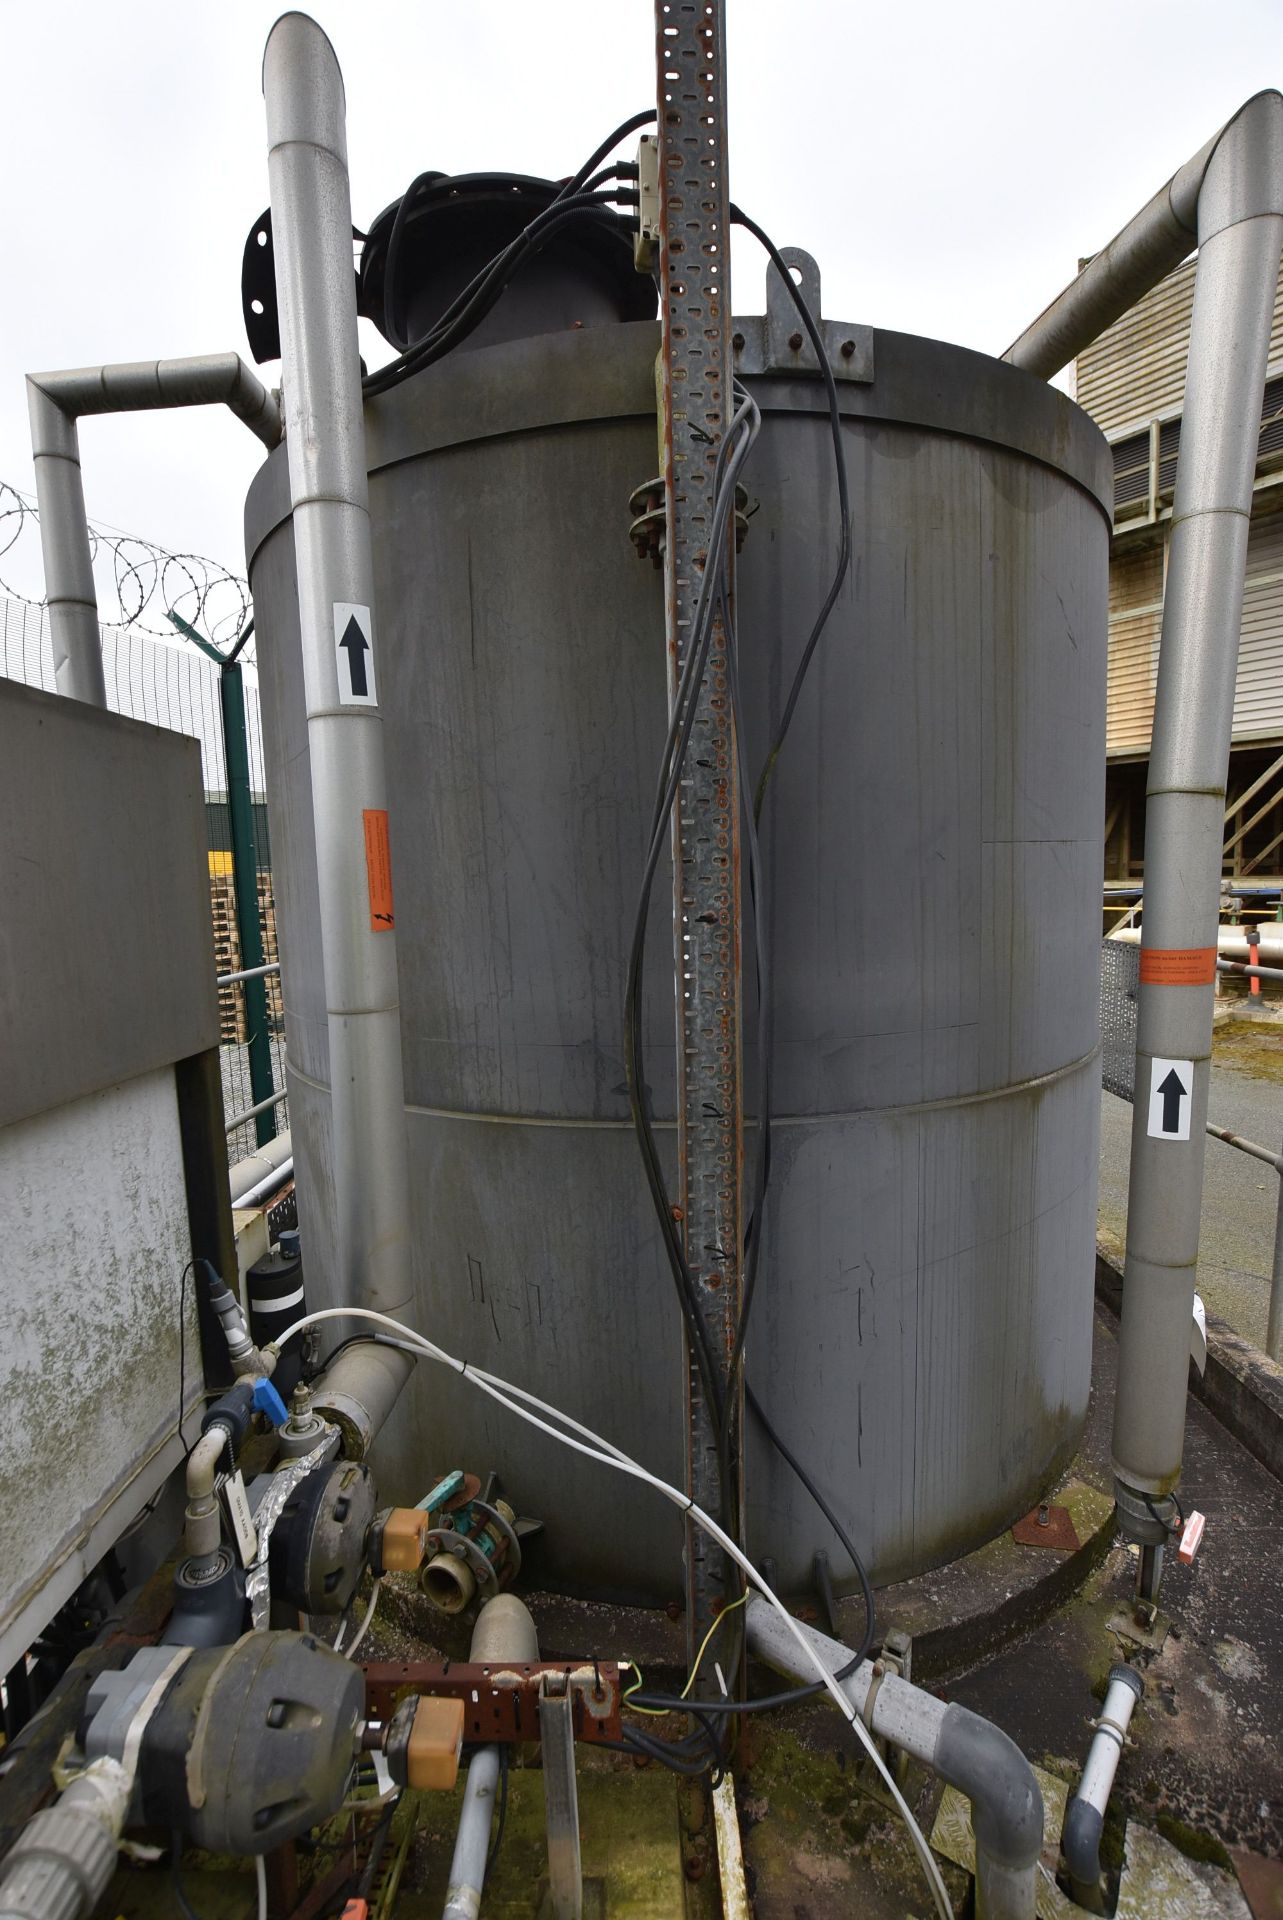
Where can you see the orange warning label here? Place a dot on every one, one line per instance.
(378, 869)
(1177, 966)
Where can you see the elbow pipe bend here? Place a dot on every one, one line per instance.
(986, 1765)
(1080, 1844)
(1237, 175)
(58, 400)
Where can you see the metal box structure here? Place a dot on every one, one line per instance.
(922, 1332)
(106, 982)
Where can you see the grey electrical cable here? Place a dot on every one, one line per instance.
(583, 1440)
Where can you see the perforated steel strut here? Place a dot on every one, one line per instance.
(694, 282)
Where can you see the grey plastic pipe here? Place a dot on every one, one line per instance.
(249, 1174)
(60, 1865)
(1228, 199)
(971, 1754)
(55, 401)
(1085, 1811)
(504, 1632)
(325, 442)
(203, 1528)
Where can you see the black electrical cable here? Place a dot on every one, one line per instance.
(392, 258)
(1172, 1532)
(176, 1874)
(378, 1846)
(476, 299)
(359, 1340)
(608, 145)
(482, 293)
(577, 189)
(497, 1842)
(731, 454)
(182, 1346)
(674, 758)
(740, 218)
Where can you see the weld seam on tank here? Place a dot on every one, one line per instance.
(986, 1094)
(511, 549)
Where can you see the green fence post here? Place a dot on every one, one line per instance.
(240, 809)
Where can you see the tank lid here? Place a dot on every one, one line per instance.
(445, 229)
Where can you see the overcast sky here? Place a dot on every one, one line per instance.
(947, 165)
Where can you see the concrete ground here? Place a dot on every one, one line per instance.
(1203, 1770)
(1240, 1194)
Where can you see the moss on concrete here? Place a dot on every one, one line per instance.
(1193, 1842)
(1250, 1046)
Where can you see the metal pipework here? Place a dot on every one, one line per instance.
(504, 1632)
(55, 401)
(1085, 1812)
(968, 1752)
(1240, 231)
(325, 440)
(1152, 244)
(1228, 198)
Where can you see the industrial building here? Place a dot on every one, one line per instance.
(1132, 383)
(653, 1435)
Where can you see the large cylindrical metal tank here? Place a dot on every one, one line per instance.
(922, 1333)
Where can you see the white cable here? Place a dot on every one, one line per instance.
(518, 1401)
(366, 1618)
(260, 1874)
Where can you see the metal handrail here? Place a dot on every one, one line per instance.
(247, 973)
(239, 1119)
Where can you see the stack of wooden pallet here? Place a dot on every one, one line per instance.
(227, 950)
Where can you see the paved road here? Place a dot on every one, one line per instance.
(1240, 1194)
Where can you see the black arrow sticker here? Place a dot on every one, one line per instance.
(1171, 1099)
(354, 655)
(356, 646)
(1173, 1090)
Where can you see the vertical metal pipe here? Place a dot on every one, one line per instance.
(64, 543)
(1274, 1327)
(1240, 231)
(325, 439)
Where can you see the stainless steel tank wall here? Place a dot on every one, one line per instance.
(922, 1331)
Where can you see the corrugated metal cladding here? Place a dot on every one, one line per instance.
(1135, 620)
(1137, 368)
(1135, 617)
(1258, 695)
(1131, 375)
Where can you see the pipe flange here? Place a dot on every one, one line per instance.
(459, 1547)
(507, 1533)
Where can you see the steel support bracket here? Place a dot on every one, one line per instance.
(561, 1798)
(501, 1701)
(776, 341)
